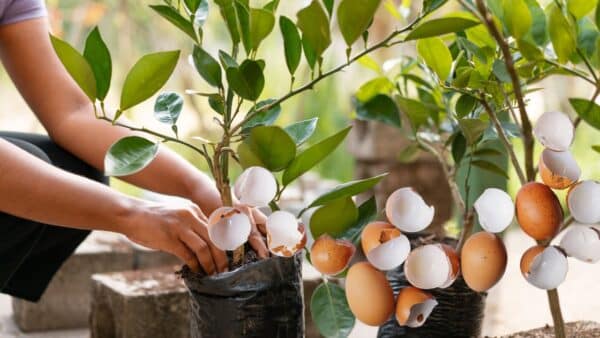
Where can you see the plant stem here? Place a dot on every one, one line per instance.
(468, 223)
(557, 318)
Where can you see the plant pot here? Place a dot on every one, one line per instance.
(459, 313)
(260, 299)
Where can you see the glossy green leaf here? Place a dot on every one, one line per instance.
(417, 111)
(334, 218)
(313, 155)
(129, 155)
(192, 5)
(77, 66)
(167, 107)
(242, 14)
(367, 212)
(587, 36)
(517, 17)
(272, 6)
(499, 69)
(379, 108)
(369, 63)
(265, 117)
(347, 189)
(354, 17)
(309, 53)
(98, 57)
(465, 105)
(472, 129)
(490, 166)
(329, 6)
(378, 85)
(217, 103)
(173, 16)
(538, 31)
(441, 26)
(247, 80)
(330, 311)
(268, 146)
(562, 33)
(529, 51)
(579, 8)
(459, 148)
(147, 76)
(292, 43)
(262, 22)
(207, 66)
(431, 5)
(302, 130)
(588, 111)
(227, 61)
(229, 15)
(436, 55)
(314, 24)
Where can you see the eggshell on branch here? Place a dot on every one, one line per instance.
(538, 211)
(255, 187)
(495, 210)
(582, 242)
(554, 130)
(331, 256)
(369, 294)
(414, 306)
(558, 169)
(285, 236)
(428, 267)
(583, 201)
(407, 210)
(228, 228)
(544, 267)
(483, 260)
(385, 246)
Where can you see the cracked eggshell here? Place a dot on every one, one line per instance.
(369, 295)
(483, 261)
(495, 210)
(228, 228)
(331, 256)
(407, 210)
(538, 211)
(582, 242)
(285, 236)
(558, 169)
(454, 264)
(255, 187)
(414, 306)
(428, 267)
(544, 267)
(582, 201)
(554, 130)
(385, 246)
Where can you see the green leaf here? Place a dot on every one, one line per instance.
(147, 76)
(76, 65)
(486, 152)
(98, 57)
(303, 130)
(378, 85)
(588, 111)
(227, 61)
(217, 103)
(472, 129)
(367, 212)
(167, 107)
(529, 50)
(417, 111)
(329, 6)
(173, 16)
(409, 154)
(309, 53)
(436, 55)
(268, 146)
(263, 118)
(207, 67)
(314, 24)
(499, 69)
(354, 17)
(272, 6)
(334, 218)
(596, 148)
(129, 155)
(491, 167)
(431, 5)
(579, 8)
(313, 155)
(330, 311)
(248, 80)
(369, 63)
(262, 22)
(379, 108)
(441, 26)
(459, 148)
(538, 30)
(347, 189)
(292, 43)
(201, 12)
(229, 15)
(192, 5)
(465, 105)
(562, 33)
(517, 17)
(587, 37)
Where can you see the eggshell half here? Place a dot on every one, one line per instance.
(544, 268)
(285, 236)
(538, 211)
(583, 202)
(428, 267)
(483, 260)
(414, 306)
(495, 210)
(554, 130)
(558, 169)
(407, 210)
(228, 228)
(369, 294)
(582, 242)
(385, 246)
(255, 187)
(331, 256)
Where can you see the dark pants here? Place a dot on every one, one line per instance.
(31, 252)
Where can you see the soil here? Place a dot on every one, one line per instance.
(581, 329)
(250, 256)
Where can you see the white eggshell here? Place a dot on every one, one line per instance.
(582, 242)
(548, 269)
(255, 187)
(420, 312)
(554, 130)
(427, 267)
(282, 228)
(407, 210)
(391, 254)
(584, 202)
(495, 210)
(561, 163)
(230, 231)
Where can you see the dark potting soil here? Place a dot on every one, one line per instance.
(581, 329)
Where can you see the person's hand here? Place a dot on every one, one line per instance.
(256, 238)
(178, 230)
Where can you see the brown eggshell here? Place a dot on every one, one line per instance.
(483, 261)
(538, 211)
(407, 298)
(369, 294)
(453, 257)
(528, 257)
(377, 233)
(331, 256)
(289, 252)
(557, 180)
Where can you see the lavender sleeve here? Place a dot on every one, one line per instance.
(12, 11)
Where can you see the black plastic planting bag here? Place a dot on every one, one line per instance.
(260, 299)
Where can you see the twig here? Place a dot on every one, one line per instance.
(557, 318)
(468, 223)
(570, 71)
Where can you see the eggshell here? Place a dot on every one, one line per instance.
(454, 264)
(385, 246)
(414, 306)
(369, 294)
(495, 210)
(483, 260)
(285, 236)
(407, 210)
(228, 228)
(558, 169)
(582, 242)
(582, 201)
(554, 130)
(538, 211)
(544, 268)
(428, 267)
(255, 187)
(331, 256)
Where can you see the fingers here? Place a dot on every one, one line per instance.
(199, 247)
(187, 256)
(256, 239)
(260, 220)
(219, 256)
